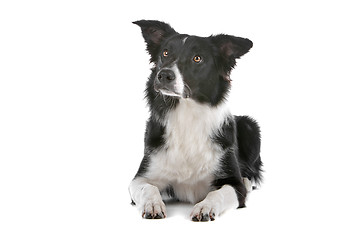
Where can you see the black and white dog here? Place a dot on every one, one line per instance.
(195, 150)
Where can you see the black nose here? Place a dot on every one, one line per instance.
(166, 75)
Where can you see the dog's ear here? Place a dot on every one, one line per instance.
(154, 33)
(230, 48)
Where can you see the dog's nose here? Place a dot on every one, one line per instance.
(166, 75)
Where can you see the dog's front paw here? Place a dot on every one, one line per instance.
(154, 210)
(203, 212)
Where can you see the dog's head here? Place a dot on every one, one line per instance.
(188, 66)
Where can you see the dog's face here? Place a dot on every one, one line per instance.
(190, 66)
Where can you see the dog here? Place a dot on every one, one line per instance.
(195, 150)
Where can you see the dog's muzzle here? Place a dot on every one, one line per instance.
(168, 83)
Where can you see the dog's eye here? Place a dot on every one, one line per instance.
(165, 53)
(197, 59)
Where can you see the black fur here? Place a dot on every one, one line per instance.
(248, 138)
(207, 82)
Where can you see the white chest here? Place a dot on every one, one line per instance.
(189, 157)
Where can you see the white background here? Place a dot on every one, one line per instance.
(72, 117)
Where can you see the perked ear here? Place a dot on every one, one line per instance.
(231, 48)
(154, 33)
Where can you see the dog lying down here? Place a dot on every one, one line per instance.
(195, 149)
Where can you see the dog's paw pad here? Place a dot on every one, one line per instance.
(154, 211)
(147, 215)
(159, 216)
(150, 215)
(212, 216)
(202, 213)
(203, 217)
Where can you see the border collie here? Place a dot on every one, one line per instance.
(195, 150)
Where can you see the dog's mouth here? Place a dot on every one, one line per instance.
(172, 93)
(168, 92)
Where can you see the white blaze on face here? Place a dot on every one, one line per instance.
(179, 81)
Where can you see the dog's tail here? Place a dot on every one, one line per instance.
(248, 139)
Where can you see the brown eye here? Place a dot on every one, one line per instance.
(165, 53)
(197, 59)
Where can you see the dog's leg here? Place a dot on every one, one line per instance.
(147, 198)
(248, 184)
(215, 203)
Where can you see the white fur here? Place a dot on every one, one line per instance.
(169, 93)
(189, 158)
(216, 202)
(147, 197)
(179, 82)
(187, 162)
(248, 184)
